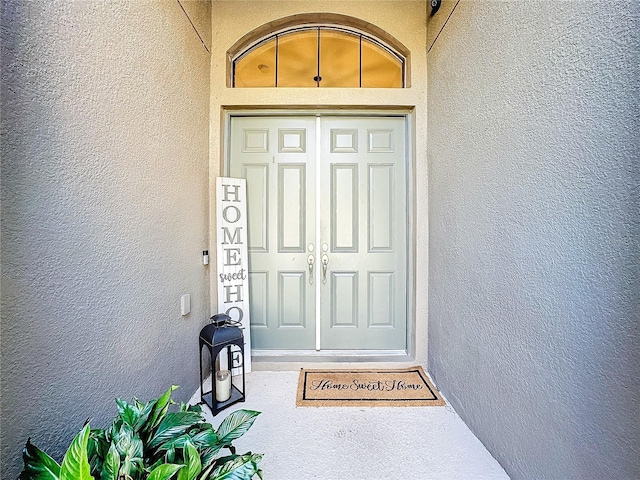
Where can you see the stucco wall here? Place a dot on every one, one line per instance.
(404, 20)
(104, 211)
(534, 260)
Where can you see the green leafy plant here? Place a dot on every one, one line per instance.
(148, 442)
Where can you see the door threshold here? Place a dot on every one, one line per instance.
(330, 356)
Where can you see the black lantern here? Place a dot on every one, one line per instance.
(225, 343)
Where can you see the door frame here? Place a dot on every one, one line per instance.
(259, 355)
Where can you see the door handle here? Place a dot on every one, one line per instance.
(311, 260)
(325, 263)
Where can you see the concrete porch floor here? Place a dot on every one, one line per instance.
(355, 443)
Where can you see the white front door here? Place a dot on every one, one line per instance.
(327, 230)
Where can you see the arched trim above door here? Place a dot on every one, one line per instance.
(372, 34)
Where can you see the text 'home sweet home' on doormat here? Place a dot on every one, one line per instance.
(407, 387)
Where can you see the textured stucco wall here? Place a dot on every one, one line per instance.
(534, 252)
(104, 211)
(404, 20)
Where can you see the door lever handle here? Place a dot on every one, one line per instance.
(311, 260)
(325, 263)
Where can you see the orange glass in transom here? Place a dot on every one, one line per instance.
(319, 57)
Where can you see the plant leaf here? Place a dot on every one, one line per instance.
(208, 456)
(111, 434)
(192, 463)
(184, 407)
(131, 467)
(170, 456)
(131, 450)
(97, 448)
(164, 471)
(236, 425)
(137, 447)
(174, 424)
(176, 442)
(240, 468)
(160, 409)
(203, 439)
(98, 443)
(75, 464)
(128, 413)
(38, 465)
(129, 443)
(206, 437)
(143, 416)
(111, 465)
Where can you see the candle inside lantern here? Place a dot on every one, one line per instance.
(223, 385)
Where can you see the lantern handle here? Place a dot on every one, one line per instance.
(220, 319)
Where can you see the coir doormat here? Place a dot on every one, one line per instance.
(407, 387)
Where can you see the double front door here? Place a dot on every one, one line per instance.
(327, 230)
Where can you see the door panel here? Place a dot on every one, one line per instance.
(292, 217)
(381, 208)
(354, 176)
(344, 208)
(257, 177)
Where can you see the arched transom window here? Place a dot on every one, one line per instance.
(319, 56)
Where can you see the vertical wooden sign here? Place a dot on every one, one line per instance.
(232, 257)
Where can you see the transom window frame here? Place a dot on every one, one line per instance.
(329, 21)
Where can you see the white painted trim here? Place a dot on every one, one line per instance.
(330, 356)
